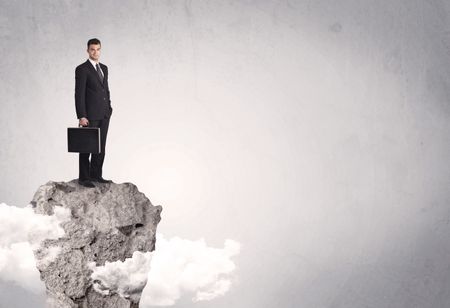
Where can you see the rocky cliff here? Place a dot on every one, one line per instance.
(106, 224)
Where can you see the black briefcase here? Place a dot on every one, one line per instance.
(84, 139)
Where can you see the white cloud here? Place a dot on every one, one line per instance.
(21, 230)
(177, 267)
(22, 224)
(182, 266)
(126, 278)
(17, 265)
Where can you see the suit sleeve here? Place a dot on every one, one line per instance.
(80, 92)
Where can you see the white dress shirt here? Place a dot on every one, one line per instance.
(95, 66)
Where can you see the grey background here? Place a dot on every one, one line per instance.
(315, 133)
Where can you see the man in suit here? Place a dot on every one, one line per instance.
(93, 107)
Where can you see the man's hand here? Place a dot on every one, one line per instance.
(84, 122)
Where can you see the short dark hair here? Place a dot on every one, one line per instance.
(94, 41)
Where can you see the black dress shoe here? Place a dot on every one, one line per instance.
(86, 183)
(101, 180)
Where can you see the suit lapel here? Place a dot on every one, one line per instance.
(105, 73)
(94, 71)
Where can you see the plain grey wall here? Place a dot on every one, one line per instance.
(316, 133)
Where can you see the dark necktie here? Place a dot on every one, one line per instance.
(99, 72)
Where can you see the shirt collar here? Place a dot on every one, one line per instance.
(93, 63)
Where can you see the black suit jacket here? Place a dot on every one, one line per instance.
(92, 100)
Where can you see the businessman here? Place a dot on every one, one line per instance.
(93, 107)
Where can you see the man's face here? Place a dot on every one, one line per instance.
(94, 51)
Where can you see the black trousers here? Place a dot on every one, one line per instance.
(93, 168)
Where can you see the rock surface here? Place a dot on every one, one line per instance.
(107, 223)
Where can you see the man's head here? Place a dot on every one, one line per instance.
(93, 49)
